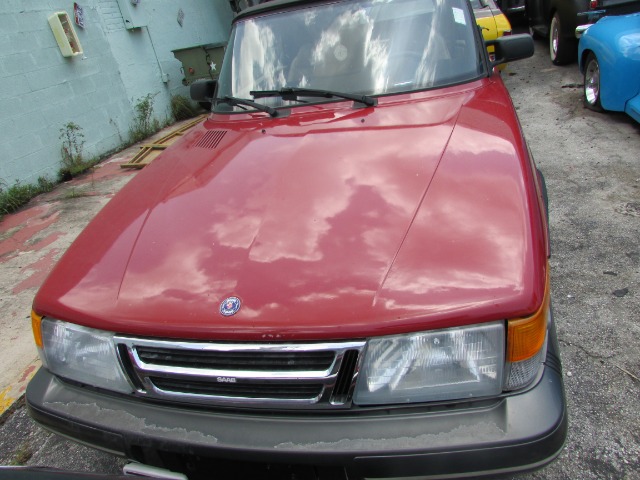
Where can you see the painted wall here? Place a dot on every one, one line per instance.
(40, 90)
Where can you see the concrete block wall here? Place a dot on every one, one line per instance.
(41, 91)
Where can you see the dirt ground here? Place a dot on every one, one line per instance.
(591, 163)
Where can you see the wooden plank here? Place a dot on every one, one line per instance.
(155, 146)
(150, 151)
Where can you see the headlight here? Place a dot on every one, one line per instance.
(82, 354)
(445, 364)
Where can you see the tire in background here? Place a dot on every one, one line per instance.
(561, 50)
(592, 83)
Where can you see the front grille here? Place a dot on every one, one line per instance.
(292, 375)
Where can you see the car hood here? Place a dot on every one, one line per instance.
(333, 222)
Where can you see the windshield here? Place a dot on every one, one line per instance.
(368, 47)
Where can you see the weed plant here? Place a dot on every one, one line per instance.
(73, 163)
(144, 125)
(22, 455)
(17, 195)
(182, 108)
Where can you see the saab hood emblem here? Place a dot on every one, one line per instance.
(230, 306)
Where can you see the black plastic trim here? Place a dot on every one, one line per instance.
(511, 434)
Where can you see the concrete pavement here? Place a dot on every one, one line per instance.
(31, 241)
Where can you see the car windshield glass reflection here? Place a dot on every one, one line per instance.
(371, 47)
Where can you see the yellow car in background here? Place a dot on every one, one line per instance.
(493, 22)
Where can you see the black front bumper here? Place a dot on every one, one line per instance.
(511, 434)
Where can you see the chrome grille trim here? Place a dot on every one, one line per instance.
(277, 382)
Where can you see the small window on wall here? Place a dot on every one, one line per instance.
(65, 34)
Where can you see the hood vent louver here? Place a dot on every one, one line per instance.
(211, 139)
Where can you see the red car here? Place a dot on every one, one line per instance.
(342, 273)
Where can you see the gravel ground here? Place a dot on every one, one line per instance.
(591, 163)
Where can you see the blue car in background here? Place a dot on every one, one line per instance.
(609, 58)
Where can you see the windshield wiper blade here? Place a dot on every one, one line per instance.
(292, 93)
(239, 102)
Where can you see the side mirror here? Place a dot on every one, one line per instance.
(511, 48)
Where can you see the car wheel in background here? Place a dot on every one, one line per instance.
(561, 50)
(592, 83)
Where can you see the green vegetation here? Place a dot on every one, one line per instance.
(71, 151)
(73, 163)
(21, 456)
(74, 192)
(17, 195)
(144, 125)
(182, 108)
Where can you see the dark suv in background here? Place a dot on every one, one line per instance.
(511, 7)
(558, 20)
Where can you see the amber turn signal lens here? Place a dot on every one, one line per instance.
(525, 336)
(36, 325)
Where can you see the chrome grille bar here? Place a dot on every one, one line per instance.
(291, 375)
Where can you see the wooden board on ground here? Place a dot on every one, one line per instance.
(150, 151)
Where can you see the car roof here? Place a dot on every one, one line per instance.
(270, 5)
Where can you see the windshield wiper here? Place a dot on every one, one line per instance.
(292, 93)
(240, 102)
